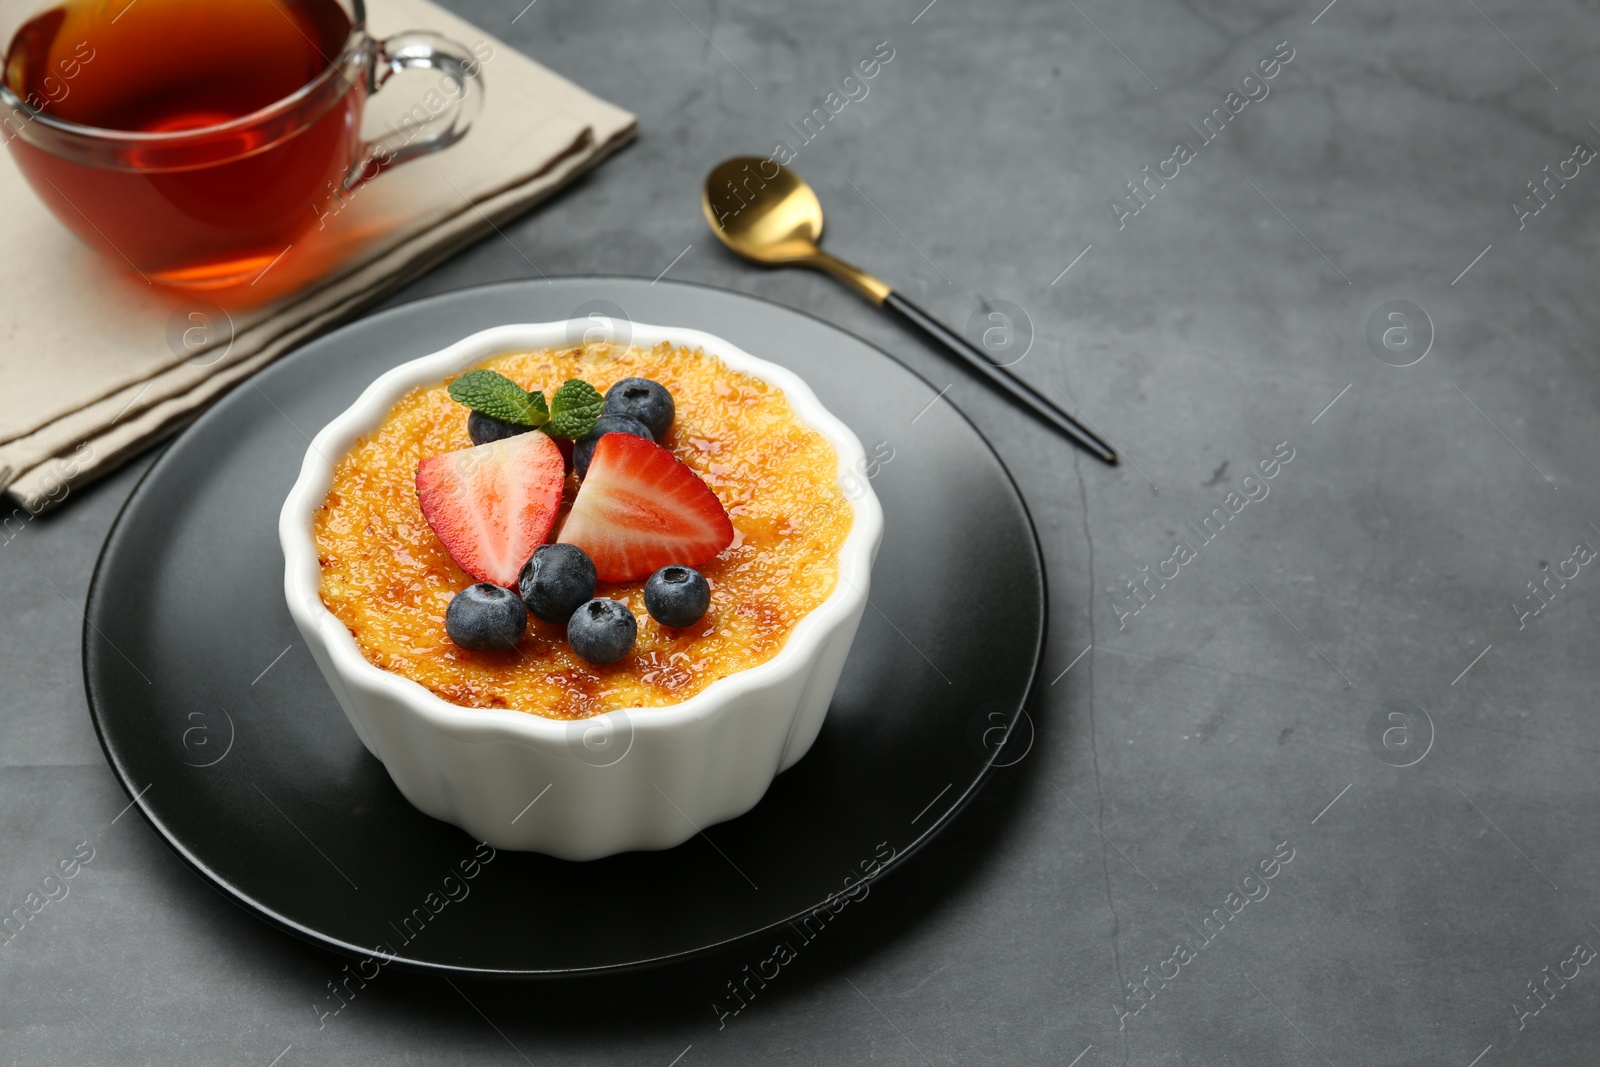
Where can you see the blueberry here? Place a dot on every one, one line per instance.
(677, 596)
(602, 631)
(485, 618)
(485, 428)
(583, 451)
(556, 580)
(645, 400)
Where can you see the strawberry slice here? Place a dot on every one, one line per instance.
(640, 509)
(494, 504)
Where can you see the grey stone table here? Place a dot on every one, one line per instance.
(1344, 677)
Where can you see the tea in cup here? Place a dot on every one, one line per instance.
(196, 140)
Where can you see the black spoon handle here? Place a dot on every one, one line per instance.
(1020, 391)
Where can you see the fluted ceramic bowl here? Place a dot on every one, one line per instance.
(644, 778)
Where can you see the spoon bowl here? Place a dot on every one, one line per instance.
(770, 218)
(767, 213)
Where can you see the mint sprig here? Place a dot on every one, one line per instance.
(574, 409)
(571, 412)
(495, 395)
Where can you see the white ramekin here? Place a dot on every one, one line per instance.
(636, 779)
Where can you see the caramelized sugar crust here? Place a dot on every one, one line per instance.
(386, 576)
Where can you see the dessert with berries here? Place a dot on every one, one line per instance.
(661, 521)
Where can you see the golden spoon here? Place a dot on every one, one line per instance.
(766, 213)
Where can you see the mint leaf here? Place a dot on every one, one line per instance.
(574, 409)
(499, 397)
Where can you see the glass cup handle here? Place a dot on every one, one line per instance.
(447, 110)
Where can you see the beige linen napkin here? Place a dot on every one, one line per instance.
(95, 363)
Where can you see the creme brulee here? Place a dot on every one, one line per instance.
(386, 576)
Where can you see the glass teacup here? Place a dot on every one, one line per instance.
(196, 140)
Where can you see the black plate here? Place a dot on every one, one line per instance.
(213, 715)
